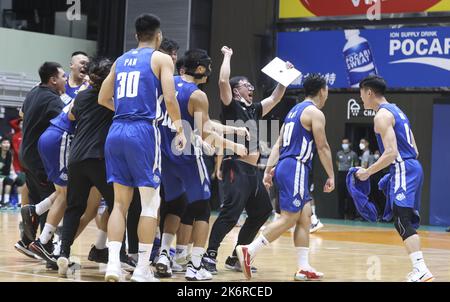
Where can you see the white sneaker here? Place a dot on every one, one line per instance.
(163, 266)
(179, 264)
(420, 276)
(113, 273)
(143, 275)
(195, 274)
(315, 227)
(63, 266)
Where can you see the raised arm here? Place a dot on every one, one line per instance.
(323, 148)
(226, 95)
(269, 103)
(106, 94)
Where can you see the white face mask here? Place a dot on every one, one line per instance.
(345, 146)
(362, 146)
(376, 156)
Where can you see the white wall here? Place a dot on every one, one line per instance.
(22, 51)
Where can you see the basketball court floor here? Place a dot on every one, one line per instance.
(343, 251)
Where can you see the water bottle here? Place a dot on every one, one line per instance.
(358, 58)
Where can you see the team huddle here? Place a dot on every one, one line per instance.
(123, 143)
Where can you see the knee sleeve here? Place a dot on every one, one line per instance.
(150, 202)
(197, 211)
(402, 222)
(176, 207)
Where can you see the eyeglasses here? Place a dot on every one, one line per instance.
(248, 85)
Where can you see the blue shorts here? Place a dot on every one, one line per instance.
(133, 155)
(53, 147)
(291, 178)
(190, 178)
(406, 183)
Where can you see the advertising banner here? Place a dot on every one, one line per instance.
(406, 57)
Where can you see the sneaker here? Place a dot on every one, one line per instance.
(244, 260)
(308, 275)
(126, 263)
(143, 275)
(179, 264)
(22, 248)
(45, 251)
(210, 264)
(315, 227)
(63, 266)
(30, 221)
(420, 276)
(232, 264)
(113, 273)
(163, 266)
(98, 255)
(196, 274)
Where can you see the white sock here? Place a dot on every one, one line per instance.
(100, 243)
(19, 199)
(47, 233)
(417, 261)
(144, 255)
(189, 249)
(43, 206)
(313, 208)
(114, 252)
(181, 251)
(166, 241)
(314, 219)
(5, 198)
(303, 257)
(197, 254)
(257, 244)
(158, 233)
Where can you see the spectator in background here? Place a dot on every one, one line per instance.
(345, 159)
(7, 175)
(16, 138)
(366, 158)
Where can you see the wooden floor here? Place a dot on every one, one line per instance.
(358, 252)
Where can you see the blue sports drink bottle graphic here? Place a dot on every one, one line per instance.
(358, 58)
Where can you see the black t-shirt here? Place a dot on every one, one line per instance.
(5, 163)
(40, 106)
(240, 115)
(93, 123)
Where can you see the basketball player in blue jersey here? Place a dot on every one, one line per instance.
(77, 80)
(399, 151)
(303, 131)
(184, 174)
(139, 80)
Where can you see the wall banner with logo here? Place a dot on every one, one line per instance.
(406, 57)
(311, 9)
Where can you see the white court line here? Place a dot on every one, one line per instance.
(41, 276)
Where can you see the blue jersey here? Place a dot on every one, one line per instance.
(71, 92)
(403, 134)
(184, 91)
(138, 92)
(297, 142)
(62, 120)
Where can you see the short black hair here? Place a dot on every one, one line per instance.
(313, 83)
(4, 139)
(168, 46)
(179, 64)
(375, 83)
(234, 81)
(194, 58)
(147, 26)
(99, 69)
(48, 70)
(79, 52)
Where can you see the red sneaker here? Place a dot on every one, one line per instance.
(307, 275)
(244, 260)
